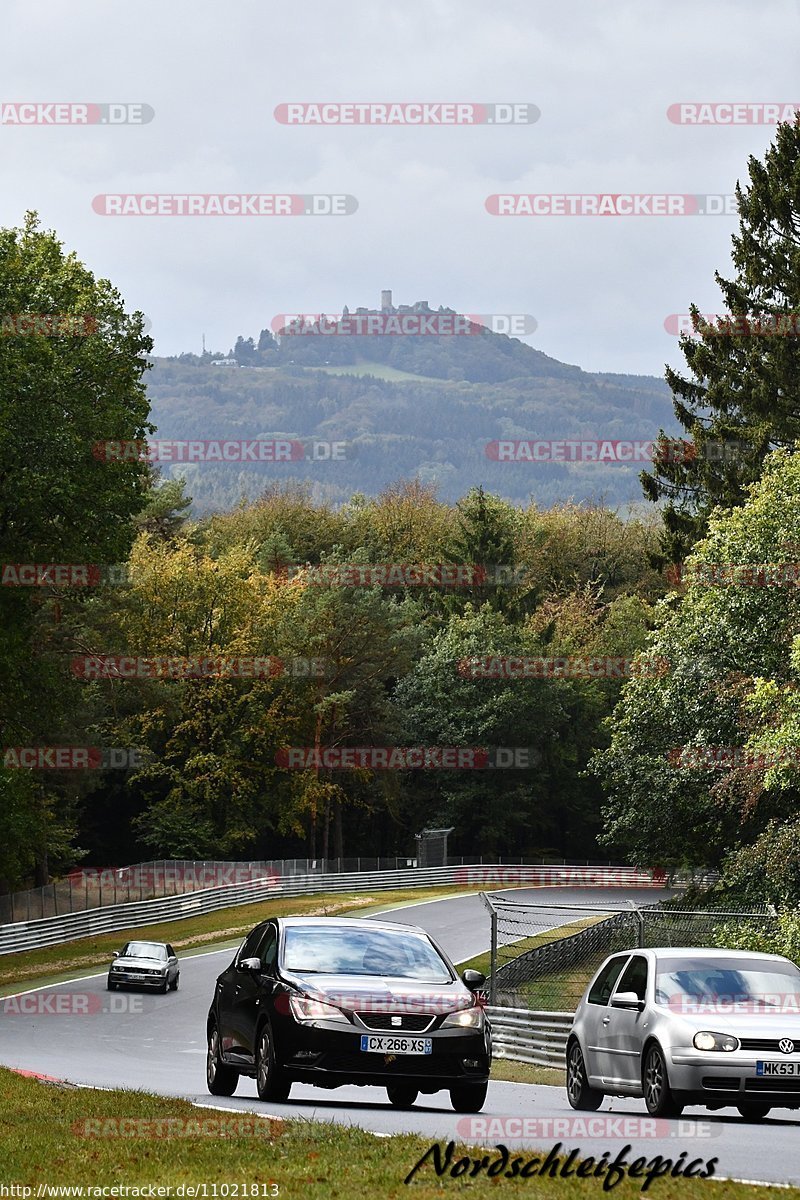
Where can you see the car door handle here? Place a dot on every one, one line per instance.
(606, 1020)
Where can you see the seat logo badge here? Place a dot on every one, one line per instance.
(786, 1045)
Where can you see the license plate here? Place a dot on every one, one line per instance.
(396, 1045)
(778, 1068)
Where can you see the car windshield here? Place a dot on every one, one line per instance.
(752, 984)
(317, 950)
(144, 950)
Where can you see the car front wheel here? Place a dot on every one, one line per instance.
(221, 1079)
(579, 1093)
(655, 1083)
(469, 1097)
(271, 1083)
(754, 1112)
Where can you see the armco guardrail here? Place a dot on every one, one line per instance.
(28, 935)
(99, 887)
(532, 1037)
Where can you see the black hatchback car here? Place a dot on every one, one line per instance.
(332, 1001)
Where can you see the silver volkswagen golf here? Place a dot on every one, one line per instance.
(679, 1027)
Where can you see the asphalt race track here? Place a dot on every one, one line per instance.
(157, 1043)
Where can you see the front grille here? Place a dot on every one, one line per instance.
(773, 1085)
(721, 1083)
(770, 1044)
(412, 1022)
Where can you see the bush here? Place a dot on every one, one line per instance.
(780, 935)
(768, 871)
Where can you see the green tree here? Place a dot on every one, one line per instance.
(540, 805)
(741, 397)
(729, 642)
(164, 511)
(485, 535)
(68, 384)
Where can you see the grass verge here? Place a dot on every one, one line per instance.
(511, 950)
(509, 1071)
(44, 1142)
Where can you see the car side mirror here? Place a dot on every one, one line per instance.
(250, 964)
(473, 979)
(115, 954)
(627, 1000)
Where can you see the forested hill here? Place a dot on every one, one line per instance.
(422, 407)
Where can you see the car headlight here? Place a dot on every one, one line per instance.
(116, 967)
(715, 1041)
(307, 1010)
(467, 1018)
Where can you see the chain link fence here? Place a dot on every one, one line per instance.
(543, 955)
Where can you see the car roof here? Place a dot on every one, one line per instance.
(347, 923)
(704, 953)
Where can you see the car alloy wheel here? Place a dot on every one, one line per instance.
(220, 1079)
(655, 1083)
(579, 1093)
(271, 1083)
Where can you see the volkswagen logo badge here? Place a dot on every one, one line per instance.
(786, 1045)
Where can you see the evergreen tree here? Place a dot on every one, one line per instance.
(741, 397)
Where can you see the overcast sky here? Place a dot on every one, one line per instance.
(602, 72)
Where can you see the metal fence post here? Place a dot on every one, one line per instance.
(640, 919)
(492, 946)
